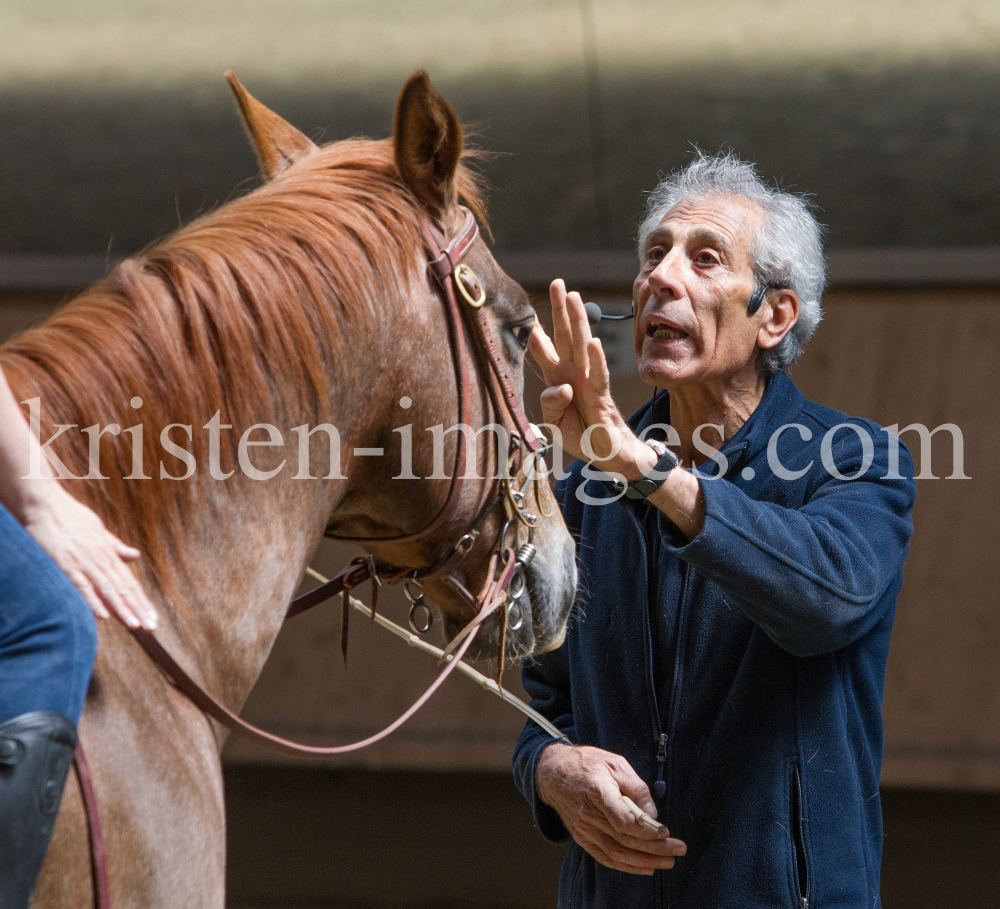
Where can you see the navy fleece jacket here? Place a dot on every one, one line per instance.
(741, 673)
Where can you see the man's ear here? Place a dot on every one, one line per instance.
(428, 144)
(278, 144)
(780, 313)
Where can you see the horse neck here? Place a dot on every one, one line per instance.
(251, 545)
(248, 545)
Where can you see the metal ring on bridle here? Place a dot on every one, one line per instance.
(514, 606)
(462, 269)
(411, 618)
(417, 603)
(516, 588)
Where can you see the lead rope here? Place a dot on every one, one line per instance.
(483, 681)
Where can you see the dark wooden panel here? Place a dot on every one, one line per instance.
(931, 357)
(357, 840)
(896, 356)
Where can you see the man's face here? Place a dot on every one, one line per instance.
(691, 322)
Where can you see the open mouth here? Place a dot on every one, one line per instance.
(660, 331)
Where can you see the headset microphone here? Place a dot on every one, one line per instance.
(594, 314)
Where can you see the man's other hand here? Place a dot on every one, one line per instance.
(585, 785)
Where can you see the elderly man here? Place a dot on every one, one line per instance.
(727, 667)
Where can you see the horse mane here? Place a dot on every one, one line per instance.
(196, 323)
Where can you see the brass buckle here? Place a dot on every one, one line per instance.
(461, 269)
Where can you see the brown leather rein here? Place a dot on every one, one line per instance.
(451, 273)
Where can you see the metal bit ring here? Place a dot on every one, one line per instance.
(417, 604)
(514, 608)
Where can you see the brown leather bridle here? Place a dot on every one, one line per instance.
(451, 274)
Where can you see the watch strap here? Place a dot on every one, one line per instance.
(649, 483)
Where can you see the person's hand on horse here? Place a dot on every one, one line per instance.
(578, 395)
(585, 786)
(91, 556)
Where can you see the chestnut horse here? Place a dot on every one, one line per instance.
(306, 302)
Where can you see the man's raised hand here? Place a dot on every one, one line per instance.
(578, 395)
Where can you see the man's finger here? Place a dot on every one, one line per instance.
(562, 332)
(113, 599)
(580, 328)
(126, 552)
(554, 402)
(657, 846)
(600, 378)
(543, 350)
(622, 855)
(81, 583)
(632, 785)
(595, 846)
(134, 596)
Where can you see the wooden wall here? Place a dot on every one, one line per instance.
(897, 356)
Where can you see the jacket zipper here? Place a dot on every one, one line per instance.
(680, 651)
(660, 786)
(662, 739)
(799, 839)
(652, 577)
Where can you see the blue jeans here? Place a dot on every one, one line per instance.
(48, 635)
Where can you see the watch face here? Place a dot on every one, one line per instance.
(668, 462)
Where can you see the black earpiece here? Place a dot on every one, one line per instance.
(757, 300)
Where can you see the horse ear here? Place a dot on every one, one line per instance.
(428, 144)
(278, 144)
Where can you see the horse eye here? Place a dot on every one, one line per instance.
(523, 330)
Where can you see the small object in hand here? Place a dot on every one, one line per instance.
(645, 819)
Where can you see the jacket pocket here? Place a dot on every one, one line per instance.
(797, 828)
(572, 898)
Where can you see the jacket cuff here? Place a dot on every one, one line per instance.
(549, 823)
(703, 546)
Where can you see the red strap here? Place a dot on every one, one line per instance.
(457, 336)
(230, 720)
(447, 257)
(503, 376)
(490, 598)
(352, 576)
(443, 266)
(98, 854)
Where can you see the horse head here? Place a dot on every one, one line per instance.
(447, 540)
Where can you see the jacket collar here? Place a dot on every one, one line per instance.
(781, 404)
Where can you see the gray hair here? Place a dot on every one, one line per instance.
(787, 251)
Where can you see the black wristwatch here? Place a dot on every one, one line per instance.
(649, 483)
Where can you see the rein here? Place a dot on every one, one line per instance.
(447, 267)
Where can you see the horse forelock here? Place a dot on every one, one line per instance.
(248, 311)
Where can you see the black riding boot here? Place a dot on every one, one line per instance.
(35, 753)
